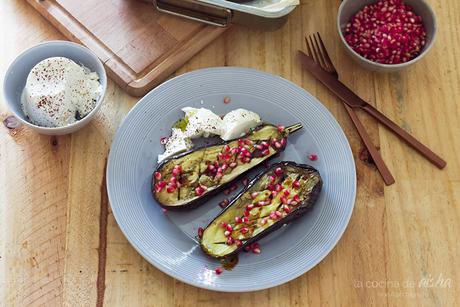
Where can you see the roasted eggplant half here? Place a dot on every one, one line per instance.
(188, 179)
(274, 198)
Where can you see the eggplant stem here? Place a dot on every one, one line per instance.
(293, 128)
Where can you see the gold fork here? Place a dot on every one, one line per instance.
(317, 51)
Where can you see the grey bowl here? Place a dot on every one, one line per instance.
(348, 8)
(16, 76)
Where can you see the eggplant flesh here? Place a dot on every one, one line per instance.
(274, 198)
(188, 179)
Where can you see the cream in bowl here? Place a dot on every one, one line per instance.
(59, 92)
(56, 87)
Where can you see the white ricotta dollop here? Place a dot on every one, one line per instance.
(176, 143)
(202, 123)
(238, 122)
(58, 91)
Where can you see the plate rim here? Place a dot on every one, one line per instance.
(174, 274)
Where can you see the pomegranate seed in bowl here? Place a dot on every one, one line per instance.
(386, 32)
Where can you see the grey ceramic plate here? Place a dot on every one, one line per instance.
(167, 240)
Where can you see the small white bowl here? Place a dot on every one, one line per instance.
(16, 76)
(349, 8)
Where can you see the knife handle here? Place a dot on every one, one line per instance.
(375, 154)
(409, 139)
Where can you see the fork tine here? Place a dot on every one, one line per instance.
(316, 52)
(308, 47)
(321, 53)
(326, 54)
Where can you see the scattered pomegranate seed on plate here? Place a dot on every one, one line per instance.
(218, 271)
(227, 100)
(312, 157)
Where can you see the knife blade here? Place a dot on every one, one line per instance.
(354, 101)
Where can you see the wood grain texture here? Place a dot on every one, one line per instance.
(139, 46)
(55, 245)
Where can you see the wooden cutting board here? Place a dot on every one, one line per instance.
(139, 46)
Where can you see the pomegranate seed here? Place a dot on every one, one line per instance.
(233, 164)
(173, 179)
(218, 176)
(241, 142)
(245, 219)
(171, 188)
(261, 203)
(157, 175)
(223, 225)
(227, 233)
(278, 145)
(199, 190)
(280, 128)
(286, 209)
(265, 152)
(236, 150)
(245, 181)
(271, 179)
(244, 230)
(255, 245)
(238, 242)
(256, 250)
(248, 142)
(293, 203)
(254, 195)
(246, 214)
(220, 156)
(218, 271)
(278, 214)
(227, 100)
(160, 186)
(259, 147)
(222, 204)
(237, 219)
(283, 199)
(211, 168)
(295, 184)
(283, 142)
(229, 227)
(263, 221)
(164, 140)
(247, 248)
(286, 192)
(250, 207)
(224, 167)
(200, 232)
(296, 198)
(273, 215)
(270, 187)
(278, 187)
(177, 170)
(230, 241)
(279, 171)
(312, 157)
(265, 144)
(227, 148)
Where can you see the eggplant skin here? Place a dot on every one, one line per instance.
(213, 239)
(195, 173)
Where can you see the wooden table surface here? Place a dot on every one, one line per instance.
(60, 245)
